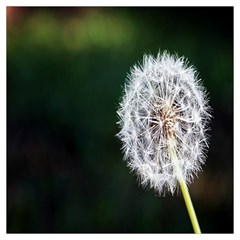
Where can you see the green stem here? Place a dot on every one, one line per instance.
(183, 187)
(189, 206)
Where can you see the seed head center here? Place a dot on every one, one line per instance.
(167, 116)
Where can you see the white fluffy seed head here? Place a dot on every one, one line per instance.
(163, 100)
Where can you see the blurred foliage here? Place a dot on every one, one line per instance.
(65, 71)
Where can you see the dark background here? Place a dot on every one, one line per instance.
(66, 68)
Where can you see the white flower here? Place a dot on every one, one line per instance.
(164, 105)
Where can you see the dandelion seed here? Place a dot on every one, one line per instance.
(164, 115)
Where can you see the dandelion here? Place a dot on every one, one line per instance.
(164, 115)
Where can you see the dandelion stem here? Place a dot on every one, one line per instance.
(183, 187)
(189, 206)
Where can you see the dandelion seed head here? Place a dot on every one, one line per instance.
(163, 99)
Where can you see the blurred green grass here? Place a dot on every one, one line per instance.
(65, 71)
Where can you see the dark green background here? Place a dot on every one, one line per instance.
(66, 68)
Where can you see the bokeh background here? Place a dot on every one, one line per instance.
(66, 68)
